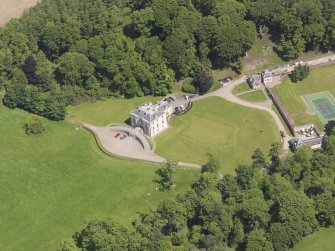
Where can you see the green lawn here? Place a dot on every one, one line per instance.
(304, 119)
(111, 111)
(323, 240)
(253, 96)
(274, 108)
(320, 79)
(213, 125)
(241, 88)
(51, 184)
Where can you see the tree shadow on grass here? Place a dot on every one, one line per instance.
(330, 128)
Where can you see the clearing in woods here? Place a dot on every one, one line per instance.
(13, 8)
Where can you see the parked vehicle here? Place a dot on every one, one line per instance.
(123, 137)
(172, 97)
(182, 107)
(225, 79)
(117, 135)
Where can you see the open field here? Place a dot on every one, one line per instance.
(103, 113)
(13, 8)
(253, 96)
(51, 184)
(322, 240)
(305, 119)
(213, 125)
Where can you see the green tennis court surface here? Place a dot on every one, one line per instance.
(323, 105)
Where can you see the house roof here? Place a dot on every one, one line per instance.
(267, 74)
(255, 80)
(310, 142)
(150, 112)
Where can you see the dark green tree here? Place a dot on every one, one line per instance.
(257, 241)
(203, 81)
(212, 165)
(34, 125)
(102, 235)
(299, 73)
(167, 173)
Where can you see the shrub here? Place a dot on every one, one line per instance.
(34, 125)
(188, 87)
(300, 73)
(203, 81)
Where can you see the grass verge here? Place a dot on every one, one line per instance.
(253, 96)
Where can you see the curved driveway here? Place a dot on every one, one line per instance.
(104, 133)
(226, 93)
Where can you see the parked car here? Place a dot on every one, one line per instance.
(182, 107)
(123, 137)
(172, 97)
(117, 135)
(225, 79)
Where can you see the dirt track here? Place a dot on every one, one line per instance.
(13, 8)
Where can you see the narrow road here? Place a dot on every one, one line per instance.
(226, 93)
(127, 148)
(105, 135)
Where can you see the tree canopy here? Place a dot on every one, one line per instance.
(82, 49)
(261, 208)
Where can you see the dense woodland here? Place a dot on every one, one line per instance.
(266, 206)
(64, 51)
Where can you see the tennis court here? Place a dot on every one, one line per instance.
(323, 105)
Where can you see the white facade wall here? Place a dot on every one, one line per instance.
(267, 80)
(154, 127)
(158, 125)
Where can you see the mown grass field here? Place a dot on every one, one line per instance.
(253, 96)
(103, 113)
(319, 79)
(52, 184)
(323, 240)
(213, 125)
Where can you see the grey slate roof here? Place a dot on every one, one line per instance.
(255, 80)
(150, 112)
(266, 74)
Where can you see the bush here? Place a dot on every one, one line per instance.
(203, 81)
(300, 73)
(34, 125)
(188, 87)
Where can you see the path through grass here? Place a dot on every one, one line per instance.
(51, 184)
(213, 125)
(253, 96)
